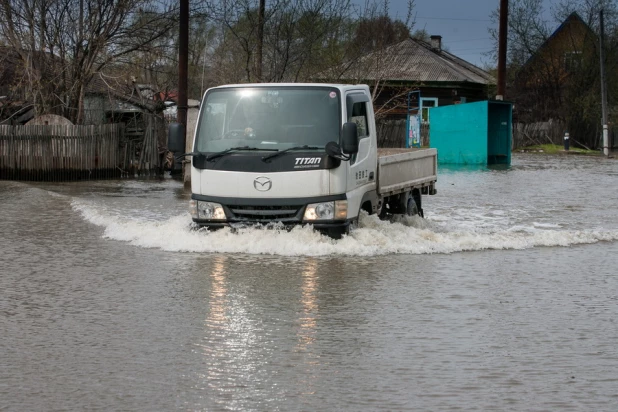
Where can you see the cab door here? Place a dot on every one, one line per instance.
(363, 164)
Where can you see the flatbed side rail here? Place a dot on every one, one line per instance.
(404, 171)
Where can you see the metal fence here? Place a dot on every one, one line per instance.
(63, 153)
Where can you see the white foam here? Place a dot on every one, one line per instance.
(407, 235)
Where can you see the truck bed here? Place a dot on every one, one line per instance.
(400, 170)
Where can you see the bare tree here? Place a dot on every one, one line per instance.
(556, 77)
(375, 55)
(290, 38)
(63, 44)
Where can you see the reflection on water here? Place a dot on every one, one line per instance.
(217, 318)
(218, 324)
(308, 319)
(471, 168)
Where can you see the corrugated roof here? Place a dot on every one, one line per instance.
(415, 60)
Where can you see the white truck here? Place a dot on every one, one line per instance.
(297, 154)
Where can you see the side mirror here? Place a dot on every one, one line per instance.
(349, 138)
(176, 138)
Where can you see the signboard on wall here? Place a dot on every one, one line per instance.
(414, 130)
(413, 120)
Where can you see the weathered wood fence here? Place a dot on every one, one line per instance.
(62, 153)
(538, 133)
(392, 133)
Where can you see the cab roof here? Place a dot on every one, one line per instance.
(342, 87)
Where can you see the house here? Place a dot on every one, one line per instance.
(109, 101)
(412, 64)
(134, 104)
(541, 86)
(106, 99)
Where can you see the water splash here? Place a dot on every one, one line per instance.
(405, 235)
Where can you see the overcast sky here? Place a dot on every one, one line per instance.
(463, 24)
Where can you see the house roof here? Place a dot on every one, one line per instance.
(140, 95)
(573, 18)
(415, 60)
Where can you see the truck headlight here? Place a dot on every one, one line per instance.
(327, 210)
(210, 210)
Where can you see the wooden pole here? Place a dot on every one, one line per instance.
(183, 62)
(502, 45)
(603, 86)
(260, 43)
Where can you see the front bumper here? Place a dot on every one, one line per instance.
(333, 225)
(269, 213)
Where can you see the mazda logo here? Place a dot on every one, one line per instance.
(262, 183)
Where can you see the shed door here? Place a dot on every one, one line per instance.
(498, 139)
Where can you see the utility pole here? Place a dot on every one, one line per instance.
(603, 86)
(260, 45)
(183, 63)
(502, 35)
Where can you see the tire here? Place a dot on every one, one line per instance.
(405, 204)
(412, 207)
(416, 195)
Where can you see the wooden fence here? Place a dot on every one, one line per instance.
(530, 134)
(392, 133)
(62, 153)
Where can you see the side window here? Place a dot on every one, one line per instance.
(359, 116)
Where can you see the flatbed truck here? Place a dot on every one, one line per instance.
(291, 154)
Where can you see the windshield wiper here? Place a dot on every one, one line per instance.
(233, 149)
(280, 152)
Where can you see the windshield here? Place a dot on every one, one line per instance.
(268, 118)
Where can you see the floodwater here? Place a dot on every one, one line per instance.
(504, 298)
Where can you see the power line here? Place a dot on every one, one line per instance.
(470, 49)
(451, 18)
(467, 40)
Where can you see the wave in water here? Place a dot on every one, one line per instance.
(408, 235)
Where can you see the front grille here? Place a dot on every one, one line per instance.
(264, 213)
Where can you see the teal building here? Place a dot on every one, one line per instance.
(472, 133)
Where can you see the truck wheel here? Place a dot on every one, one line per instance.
(416, 195)
(412, 208)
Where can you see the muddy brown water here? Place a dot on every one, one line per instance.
(504, 298)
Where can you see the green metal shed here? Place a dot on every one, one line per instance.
(472, 133)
